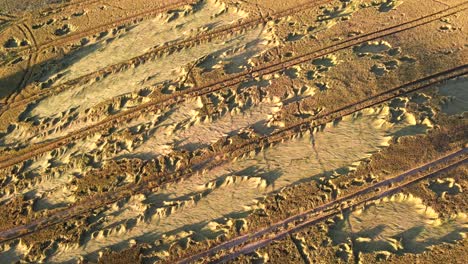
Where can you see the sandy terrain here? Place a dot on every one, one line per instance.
(200, 131)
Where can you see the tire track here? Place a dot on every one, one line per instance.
(31, 61)
(78, 35)
(24, 154)
(153, 182)
(18, 20)
(26, 31)
(281, 229)
(171, 47)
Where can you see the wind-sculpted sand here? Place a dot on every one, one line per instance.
(233, 131)
(154, 74)
(398, 224)
(193, 204)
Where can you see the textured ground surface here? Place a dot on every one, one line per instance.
(255, 131)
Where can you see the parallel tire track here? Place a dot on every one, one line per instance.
(254, 240)
(31, 60)
(18, 20)
(170, 47)
(24, 154)
(148, 184)
(28, 71)
(26, 33)
(78, 35)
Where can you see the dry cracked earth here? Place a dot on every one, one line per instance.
(238, 131)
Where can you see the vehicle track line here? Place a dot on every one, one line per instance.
(20, 20)
(324, 118)
(97, 29)
(168, 48)
(148, 184)
(309, 217)
(24, 30)
(24, 154)
(77, 35)
(171, 47)
(31, 61)
(28, 71)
